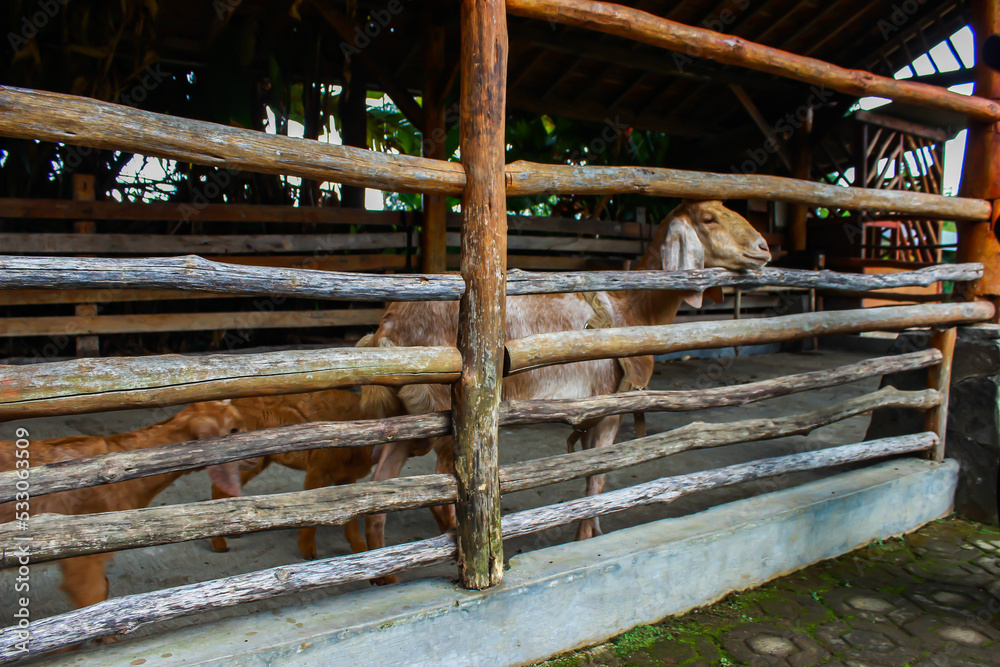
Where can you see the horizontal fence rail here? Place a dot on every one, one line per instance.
(196, 274)
(32, 114)
(548, 349)
(79, 121)
(95, 385)
(527, 178)
(125, 614)
(650, 29)
(123, 466)
(55, 536)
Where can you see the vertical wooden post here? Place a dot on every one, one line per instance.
(802, 166)
(476, 396)
(354, 124)
(433, 246)
(939, 377)
(84, 189)
(977, 241)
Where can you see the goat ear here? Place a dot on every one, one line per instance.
(227, 478)
(683, 250)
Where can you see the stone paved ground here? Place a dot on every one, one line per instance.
(927, 599)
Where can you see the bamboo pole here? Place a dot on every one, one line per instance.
(123, 466)
(939, 378)
(121, 615)
(529, 178)
(476, 396)
(196, 274)
(95, 385)
(56, 536)
(80, 121)
(548, 349)
(647, 28)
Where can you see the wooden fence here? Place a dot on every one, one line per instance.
(481, 358)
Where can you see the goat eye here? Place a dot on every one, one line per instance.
(711, 221)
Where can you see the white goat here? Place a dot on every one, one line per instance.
(697, 234)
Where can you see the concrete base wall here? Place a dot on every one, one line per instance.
(571, 595)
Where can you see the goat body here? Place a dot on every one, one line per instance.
(84, 578)
(323, 467)
(695, 235)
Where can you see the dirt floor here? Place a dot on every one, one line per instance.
(172, 565)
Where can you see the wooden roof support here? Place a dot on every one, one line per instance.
(400, 96)
(758, 118)
(650, 29)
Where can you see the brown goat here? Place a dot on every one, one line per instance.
(84, 578)
(335, 465)
(697, 234)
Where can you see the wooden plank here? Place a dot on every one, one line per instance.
(164, 244)
(77, 325)
(79, 121)
(549, 349)
(935, 134)
(121, 615)
(84, 189)
(529, 178)
(123, 466)
(55, 536)
(476, 396)
(61, 209)
(433, 247)
(731, 50)
(95, 385)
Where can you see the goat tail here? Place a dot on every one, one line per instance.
(378, 402)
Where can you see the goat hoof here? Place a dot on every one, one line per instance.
(385, 581)
(219, 546)
(308, 554)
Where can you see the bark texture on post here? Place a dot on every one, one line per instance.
(939, 378)
(476, 398)
(981, 172)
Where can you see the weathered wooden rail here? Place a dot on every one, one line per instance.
(122, 615)
(474, 366)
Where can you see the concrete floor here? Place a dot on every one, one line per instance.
(172, 565)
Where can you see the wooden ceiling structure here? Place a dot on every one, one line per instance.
(713, 112)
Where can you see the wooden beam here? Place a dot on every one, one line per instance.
(109, 210)
(94, 385)
(433, 245)
(935, 134)
(84, 189)
(529, 178)
(55, 536)
(165, 244)
(160, 459)
(121, 615)
(981, 167)
(476, 396)
(548, 349)
(649, 29)
(91, 325)
(401, 97)
(939, 379)
(79, 121)
(201, 275)
(762, 124)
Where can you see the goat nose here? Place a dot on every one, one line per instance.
(762, 245)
